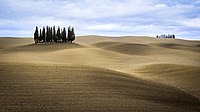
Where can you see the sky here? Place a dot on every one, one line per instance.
(103, 17)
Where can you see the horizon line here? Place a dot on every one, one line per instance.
(113, 36)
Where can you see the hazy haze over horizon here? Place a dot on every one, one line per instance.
(102, 17)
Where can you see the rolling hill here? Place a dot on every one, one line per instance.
(99, 73)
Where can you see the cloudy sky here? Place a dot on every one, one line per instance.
(103, 17)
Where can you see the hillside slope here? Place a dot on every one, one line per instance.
(100, 73)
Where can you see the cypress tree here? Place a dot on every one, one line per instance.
(69, 34)
(54, 34)
(51, 36)
(58, 34)
(47, 34)
(73, 34)
(43, 35)
(64, 35)
(173, 36)
(36, 35)
(40, 37)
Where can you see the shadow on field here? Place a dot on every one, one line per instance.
(44, 47)
(84, 88)
(126, 48)
(179, 47)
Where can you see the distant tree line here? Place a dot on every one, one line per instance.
(51, 34)
(166, 36)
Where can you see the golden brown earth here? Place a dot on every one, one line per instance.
(100, 74)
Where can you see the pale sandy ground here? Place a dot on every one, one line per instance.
(100, 74)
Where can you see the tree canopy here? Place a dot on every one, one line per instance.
(49, 34)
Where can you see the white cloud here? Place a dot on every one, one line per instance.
(103, 27)
(106, 17)
(194, 22)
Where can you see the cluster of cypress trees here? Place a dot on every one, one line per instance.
(50, 34)
(166, 36)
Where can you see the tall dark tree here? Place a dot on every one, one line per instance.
(71, 34)
(173, 36)
(43, 35)
(36, 35)
(54, 35)
(47, 34)
(40, 36)
(51, 34)
(64, 39)
(58, 34)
